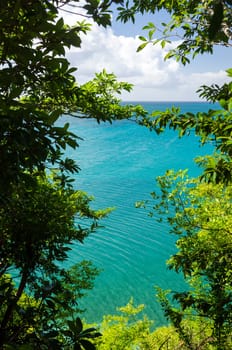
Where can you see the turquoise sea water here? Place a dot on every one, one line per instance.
(119, 164)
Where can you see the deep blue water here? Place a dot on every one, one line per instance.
(119, 164)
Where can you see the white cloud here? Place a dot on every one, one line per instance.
(188, 83)
(208, 78)
(153, 78)
(103, 49)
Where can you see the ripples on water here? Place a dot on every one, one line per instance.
(119, 163)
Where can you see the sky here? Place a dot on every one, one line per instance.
(153, 78)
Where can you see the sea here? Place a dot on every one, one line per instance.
(119, 164)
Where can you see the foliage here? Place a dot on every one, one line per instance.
(38, 86)
(127, 330)
(200, 216)
(198, 211)
(41, 215)
(81, 337)
(124, 331)
(167, 337)
(37, 227)
(97, 100)
(197, 25)
(212, 127)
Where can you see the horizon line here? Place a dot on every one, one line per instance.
(167, 101)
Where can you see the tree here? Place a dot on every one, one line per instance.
(200, 217)
(38, 225)
(38, 86)
(198, 211)
(198, 26)
(124, 330)
(213, 127)
(127, 329)
(41, 214)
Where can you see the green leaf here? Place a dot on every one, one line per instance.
(149, 25)
(87, 345)
(150, 34)
(163, 43)
(223, 103)
(216, 20)
(78, 325)
(142, 38)
(141, 47)
(54, 115)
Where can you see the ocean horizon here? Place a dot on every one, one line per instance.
(119, 164)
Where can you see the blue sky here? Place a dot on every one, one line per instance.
(221, 58)
(154, 80)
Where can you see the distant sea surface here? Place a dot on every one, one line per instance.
(119, 164)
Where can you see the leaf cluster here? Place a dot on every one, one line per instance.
(124, 330)
(200, 216)
(38, 225)
(212, 127)
(41, 215)
(197, 26)
(38, 85)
